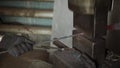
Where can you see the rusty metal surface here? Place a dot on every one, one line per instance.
(82, 44)
(115, 16)
(95, 50)
(66, 59)
(26, 12)
(100, 18)
(82, 6)
(84, 23)
(70, 58)
(100, 22)
(113, 42)
(25, 29)
(94, 27)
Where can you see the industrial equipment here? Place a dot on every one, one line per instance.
(99, 21)
(95, 35)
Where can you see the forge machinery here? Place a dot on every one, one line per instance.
(98, 46)
(99, 21)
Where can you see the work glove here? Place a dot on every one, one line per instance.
(16, 45)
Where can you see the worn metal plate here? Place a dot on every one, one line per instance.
(70, 58)
(83, 44)
(84, 23)
(113, 40)
(82, 6)
(66, 59)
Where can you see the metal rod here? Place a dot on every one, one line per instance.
(31, 0)
(25, 29)
(55, 41)
(60, 38)
(26, 12)
(59, 44)
(1, 37)
(3, 52)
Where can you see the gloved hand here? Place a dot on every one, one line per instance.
(16, 45)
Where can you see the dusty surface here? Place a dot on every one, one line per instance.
(40, 64)
(34, 59)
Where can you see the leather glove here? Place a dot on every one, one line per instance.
(16, 45)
